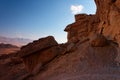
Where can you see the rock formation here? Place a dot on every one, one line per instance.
(109, 13)
(92, 48)
(91, 53)
(12, 67)
(39, 53)
(81, 28)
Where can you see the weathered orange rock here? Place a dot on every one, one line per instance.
(37, 45)
(83, 50)
(81, 28)
(108, 11)
(83, 57)
(98, 40)
(36, 60)
(101, 56)
(39, 53)
(80, 17)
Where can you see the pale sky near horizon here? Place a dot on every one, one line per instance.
(34, 19)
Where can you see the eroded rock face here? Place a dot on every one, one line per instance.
(88, 51)
(108, 12)
(12, 67)
(82, 63)
(81, 28)
(37, 45)
(101, 56)
(98, 40)
(37, 54)
(40, 58)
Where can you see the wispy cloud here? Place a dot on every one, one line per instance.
(76, 9)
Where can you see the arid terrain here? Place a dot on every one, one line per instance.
(14, 41)
(8, 48)
(92, 51)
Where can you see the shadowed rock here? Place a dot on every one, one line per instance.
(98, 40)
(37, 54)
(37, 45)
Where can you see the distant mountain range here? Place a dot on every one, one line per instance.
(14, 41)
(8, 48)
(2, 45)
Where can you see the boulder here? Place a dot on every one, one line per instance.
(37, 45)
(37, 54)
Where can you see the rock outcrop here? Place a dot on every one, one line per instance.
(12, 67)
(108, 11)
(37, 54)
(92, 48)
(82, 27)
(37, 45)
(91, 53)
(98, 40)
(109, 14)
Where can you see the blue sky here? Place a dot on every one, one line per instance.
(34, 19)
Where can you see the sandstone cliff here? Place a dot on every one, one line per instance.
(91, 53)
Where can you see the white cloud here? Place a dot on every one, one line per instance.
(76, 9)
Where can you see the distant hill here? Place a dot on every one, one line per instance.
(8, 48)
(14, 41)
(2, 45)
